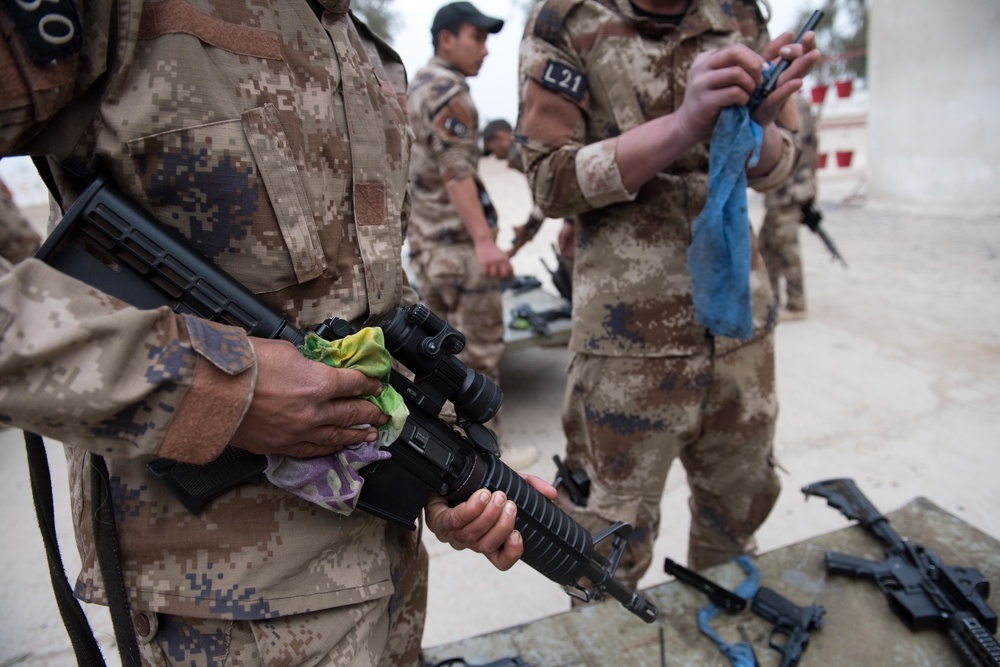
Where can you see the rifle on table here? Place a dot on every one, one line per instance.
(787, 618)
(111, 243)
(812, 218)
(920, 589)
(526, 317)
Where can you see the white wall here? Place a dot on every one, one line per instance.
(934, 115)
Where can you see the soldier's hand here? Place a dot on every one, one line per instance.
(521, 236)
(493, 261)
(305, 408)
(484, 523)
(567, 239)
(721, 78)
(803, 57)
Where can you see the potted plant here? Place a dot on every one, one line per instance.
(845, 87)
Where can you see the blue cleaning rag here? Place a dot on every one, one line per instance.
(719, 255)
(739, 654)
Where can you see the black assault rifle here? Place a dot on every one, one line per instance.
(111, 243)
(921, 590)
(813, 219)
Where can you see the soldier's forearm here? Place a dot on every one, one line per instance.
(82, 367)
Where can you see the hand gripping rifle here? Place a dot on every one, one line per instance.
(112, 244)
(921, 590)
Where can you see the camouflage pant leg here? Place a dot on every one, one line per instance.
(779, 246)
(349, 636)
(452, 286)
(625, 421)
(408, 605)
(730, 468)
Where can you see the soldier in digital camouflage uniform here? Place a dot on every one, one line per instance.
(779, 234)
(17, 239)
(618, 101)
(498, 140)
(456, 263)
(272, 137)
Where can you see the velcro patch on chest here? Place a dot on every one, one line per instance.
(49, 29)
(564, 79)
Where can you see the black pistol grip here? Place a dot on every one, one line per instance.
(840, 563)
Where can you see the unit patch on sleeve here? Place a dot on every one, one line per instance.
(455, 126)
(564, 79)
(49, 28)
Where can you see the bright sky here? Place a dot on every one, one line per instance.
(495, 88)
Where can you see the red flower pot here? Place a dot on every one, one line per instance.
(844, 88)
(821, 161)
(844, 158)
(819, 94)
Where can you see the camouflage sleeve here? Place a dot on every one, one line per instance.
(567, 175)
(84, 368)
(454, 124)
(781, 171)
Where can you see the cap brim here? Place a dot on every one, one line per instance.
(490, 25)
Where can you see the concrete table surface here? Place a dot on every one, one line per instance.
(859, 628)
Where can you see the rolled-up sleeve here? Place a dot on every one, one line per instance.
(781, 171)
(598, 174)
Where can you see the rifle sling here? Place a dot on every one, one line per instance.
(85, 647)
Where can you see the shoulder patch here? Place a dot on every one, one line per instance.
(564, 79)
(49, 29)
(455, 126)
(549, 24)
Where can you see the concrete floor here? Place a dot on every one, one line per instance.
(894, 380)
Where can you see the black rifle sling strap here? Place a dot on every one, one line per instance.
(77, 626)
(81, 636)
(109, 558)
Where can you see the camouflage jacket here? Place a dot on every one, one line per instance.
(445, 126)
(274, 141)
(801, 187)
(589, 71)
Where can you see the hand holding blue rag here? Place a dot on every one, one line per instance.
(719, 255)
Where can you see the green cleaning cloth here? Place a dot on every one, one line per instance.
(333, 481)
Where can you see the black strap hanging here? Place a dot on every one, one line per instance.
(80, 635)
(109, 558)
(88, 653)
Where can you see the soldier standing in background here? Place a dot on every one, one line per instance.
(271, 138)
(618, 102)
(453, 228)
(17, 239)
(779, 234)
(498, 140)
